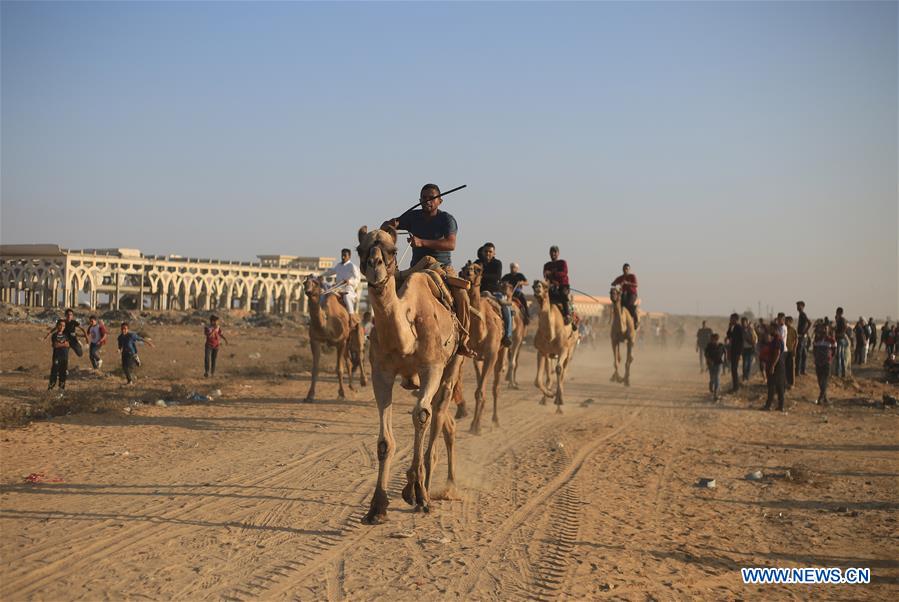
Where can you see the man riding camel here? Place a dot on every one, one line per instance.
(433, 233)
(347, 281)
(555, 271)
(628, 284)
(493, 271)
(518, 280)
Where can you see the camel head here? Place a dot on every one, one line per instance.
(473, 273)
(506, 288)
(377, 255)
(312, 286)
(615, 295)
(541, 292)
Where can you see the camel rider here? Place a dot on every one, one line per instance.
(518, 280)
(493, 271)
(433, 232)
(555, 271)
(347, 281)
(628, 283)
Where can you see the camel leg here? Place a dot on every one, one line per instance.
(628, 362)
(316, 356)
(421, 419)
(497, 377)
(383, 386)
(348, 366)
(440, 421)
(559, 376)
(480, 398)
(363, 379)
(341, 353)
(459, 400)
(542, 379)
(616, 361)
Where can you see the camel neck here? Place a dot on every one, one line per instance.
(392, 325)
(316, 314)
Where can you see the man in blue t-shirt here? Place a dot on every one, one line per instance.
(433, 232)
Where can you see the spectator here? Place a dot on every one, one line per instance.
(775, 367)
(885, 331)
(861, 342)
(840, 330)
(872, 336)
(128, 346)
(803, 325)
(888, 338)
(59, 366)
(762, 336)
(734, 340)
(790, 354)
(750, 339)
(214, 339)
(703, 337)
(824, 348)
(97, 336)
(715, 353)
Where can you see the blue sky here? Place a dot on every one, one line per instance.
(731, 152)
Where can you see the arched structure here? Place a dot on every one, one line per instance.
(49, 276)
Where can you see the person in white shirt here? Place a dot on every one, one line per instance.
(347, 279)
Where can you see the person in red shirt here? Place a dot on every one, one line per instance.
(628, 284)
(555, 271)
(214, 336)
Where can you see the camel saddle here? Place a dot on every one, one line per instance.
(440, 279)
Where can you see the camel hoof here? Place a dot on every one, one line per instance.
(627, 382)
(341, 397)
(461, 412)
(495, 421)
(543, 401)
(558, 409)
(407, 494)
(363, 382)
(475, 430)
(309, 399)
(374, 519)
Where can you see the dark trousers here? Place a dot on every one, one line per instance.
(788, 367)
(801, 355)
(735, 369)
(823, 373)
(75, 345)
(95, 355)
(747, 362)
(777, 385)
(629, 301)
(128, 365)
(60, 367)
(209, 360)
(561, 296)
(524, 305)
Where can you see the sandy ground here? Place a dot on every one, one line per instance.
(258, 496)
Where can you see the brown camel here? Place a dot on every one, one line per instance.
(623, 330)
(554, 339)
(355, 353)
(415, 335)
(519, 331)
(484, 339)
(328, 325)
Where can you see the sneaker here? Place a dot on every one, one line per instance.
(506, 342)
(50, 387)
(205, 375)
(99, 364)
(137, 361)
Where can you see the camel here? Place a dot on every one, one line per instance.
(554, 339)
(622, 330)
(327, 326)
(416, 334)
(484, 338)
(519, 331)
(354, 353)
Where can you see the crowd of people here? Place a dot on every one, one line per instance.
(780, 350)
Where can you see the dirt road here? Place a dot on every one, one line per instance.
(257, 496)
